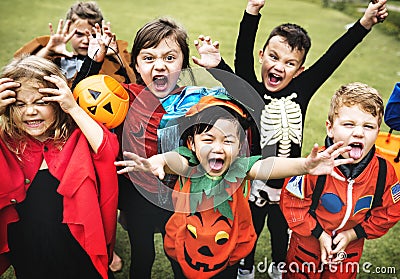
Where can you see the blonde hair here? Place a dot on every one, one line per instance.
(30, 68)
(365, 97)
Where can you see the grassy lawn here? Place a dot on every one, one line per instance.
(375, 62)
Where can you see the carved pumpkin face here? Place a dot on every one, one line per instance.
(103, 98)
(206, 242)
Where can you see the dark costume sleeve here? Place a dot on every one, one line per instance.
(244, 59)
(392, 112)
(89, 68)
(320, 71)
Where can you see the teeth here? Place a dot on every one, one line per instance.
(358, 145)
(160, 78)
(33, 122)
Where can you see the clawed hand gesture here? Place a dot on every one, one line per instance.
(208, 51)
(99, 41)
(319, 163)
(134, 162)
(57, 45)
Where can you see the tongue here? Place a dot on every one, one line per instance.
(355, 152)
(273, 79)
(216, 165)
(160, 83)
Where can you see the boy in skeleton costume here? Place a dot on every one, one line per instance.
(330, 218)
(287, 89)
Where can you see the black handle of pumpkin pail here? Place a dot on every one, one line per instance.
(397, 158)
(388, 136)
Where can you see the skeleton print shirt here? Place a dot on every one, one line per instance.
(280, 121)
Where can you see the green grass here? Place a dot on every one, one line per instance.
(376, 62)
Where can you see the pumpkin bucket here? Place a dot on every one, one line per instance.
(388, 145)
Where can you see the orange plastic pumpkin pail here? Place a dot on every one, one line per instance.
(388, 145)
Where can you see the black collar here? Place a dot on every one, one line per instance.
(353, 170)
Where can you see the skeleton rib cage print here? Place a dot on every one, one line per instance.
(281, 123)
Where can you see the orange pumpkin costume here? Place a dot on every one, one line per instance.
(214, 236)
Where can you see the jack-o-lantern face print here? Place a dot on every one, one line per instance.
(206, 242)
(208, 239)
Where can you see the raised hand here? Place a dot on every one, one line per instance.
(112, 47)
(99, 41)
(376, 12)
(7, 93)
(57, 45)
(254, 6)
(62, 94)
(208, 51)
(134, 162)
(319, 163)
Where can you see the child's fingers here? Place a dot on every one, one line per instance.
(71, 34)
(324, 258)
(51, 29)
(196, 60)
(337, 176)
(159, 172)
(340, 151)
(58, 81)
(119, 163)
(66, 26)
(60, 25)
(130, 155)
(314, 151)
(343, 161)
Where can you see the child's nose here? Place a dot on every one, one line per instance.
(218, 148)
(358, 131)
(159, 64)
(85, 39)
(31, 109)
(279, 66)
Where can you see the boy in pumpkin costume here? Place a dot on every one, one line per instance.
(211, 229)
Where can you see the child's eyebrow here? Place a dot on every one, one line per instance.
(230, 136)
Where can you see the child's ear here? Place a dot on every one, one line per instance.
(137, 68)
(329, 130)
(190, 143)
(260, 56)
(299, 71)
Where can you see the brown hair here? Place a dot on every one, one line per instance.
(30, 68)
(360, 94)
(85, 10)
(152, 33)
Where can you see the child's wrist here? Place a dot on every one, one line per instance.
(253, 10)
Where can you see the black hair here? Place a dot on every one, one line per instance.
(295, 36)
(152, 33)
(205, 121)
